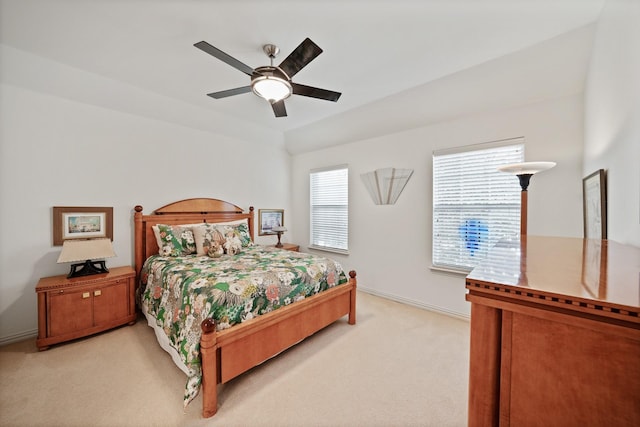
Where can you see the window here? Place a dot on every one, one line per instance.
(329, 191)
(474, 204)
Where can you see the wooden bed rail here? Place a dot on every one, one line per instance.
(267, 336)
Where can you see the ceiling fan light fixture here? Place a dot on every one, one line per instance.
(271, 88)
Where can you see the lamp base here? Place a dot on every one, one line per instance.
(87, 268)
(279, 244)
(524, 180)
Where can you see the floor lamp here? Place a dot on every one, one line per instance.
(524, 172)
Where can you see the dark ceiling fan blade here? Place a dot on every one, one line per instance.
(278, 109)
(224, 57)
(230, 92)
(300, 57)
(315, 92)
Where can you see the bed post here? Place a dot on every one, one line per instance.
(209, 356)
(352, 308)
(139, 241)
(251, 229)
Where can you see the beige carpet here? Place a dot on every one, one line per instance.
(398, 366)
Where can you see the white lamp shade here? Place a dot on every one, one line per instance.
(528, 168)
(279, 229)
(82, 250)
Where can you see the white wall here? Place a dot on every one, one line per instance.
(51, 142)
(390, 246)
(612, 116)
(61, 152)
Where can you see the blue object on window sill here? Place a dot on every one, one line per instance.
(474, 232)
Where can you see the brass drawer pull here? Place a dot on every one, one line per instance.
(86, 295)
(97, 293)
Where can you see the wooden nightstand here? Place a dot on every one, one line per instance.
(74, 308)
(289, 247)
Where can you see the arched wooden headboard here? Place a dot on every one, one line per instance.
(188, 211)
(201, 206)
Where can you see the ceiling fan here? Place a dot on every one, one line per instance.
(271, 82)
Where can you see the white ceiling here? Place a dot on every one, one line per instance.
(373, 49)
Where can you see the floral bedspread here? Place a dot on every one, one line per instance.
(180, 292)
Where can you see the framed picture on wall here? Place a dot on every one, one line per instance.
(268, 219)
(594, 194)
(81, 223)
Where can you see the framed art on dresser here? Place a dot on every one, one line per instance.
(594, 192)
(81, 223)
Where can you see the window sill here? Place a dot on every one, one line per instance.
(332, 250)
(450, 270)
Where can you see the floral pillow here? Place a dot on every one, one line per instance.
(241, 231)
(207, 237)
(231, 236)
(174, 240)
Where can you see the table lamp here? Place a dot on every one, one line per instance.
(279, 230)
(86, 250)
(524, 172)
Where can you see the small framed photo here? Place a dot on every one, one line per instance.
(594, 193)
(268, 219)
(81, 223)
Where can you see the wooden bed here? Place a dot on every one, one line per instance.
(228, 353)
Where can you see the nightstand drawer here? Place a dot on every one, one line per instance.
(69, 311)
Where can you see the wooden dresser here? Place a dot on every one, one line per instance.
(74, 308)
(555, 334)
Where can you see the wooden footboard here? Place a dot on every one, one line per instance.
(231, 352)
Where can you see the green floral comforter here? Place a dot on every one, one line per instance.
(180, 292)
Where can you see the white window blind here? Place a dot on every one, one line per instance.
(474, 204)
(330, 208)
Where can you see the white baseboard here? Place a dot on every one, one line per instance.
(418, 304)
(18, 337)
